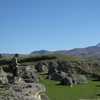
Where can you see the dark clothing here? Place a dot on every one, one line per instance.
(15, 72)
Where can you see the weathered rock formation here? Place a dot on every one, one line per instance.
(67, 81)
(78, 79)
(76, 70)
(3, 77)
(57, 76)
(25, 91)
(30, 77)
(42, 67)
(79, 67)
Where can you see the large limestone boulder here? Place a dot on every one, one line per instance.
(25, 91)
(67, 81)
(52, 68)
(29, 77)
(78, 79)
(27, 73)
(3, 77)
(42, 67)
(57, 76)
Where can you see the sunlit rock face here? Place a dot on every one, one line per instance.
(22, 90)
(25, 91)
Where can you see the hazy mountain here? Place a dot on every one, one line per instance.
(41, 52)
(80, 52)
(61, 52)
(88, 52)
(8, 55)
(85, 51)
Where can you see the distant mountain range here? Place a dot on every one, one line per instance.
(92, 52)
(41, 52)
(79, 52)
(8, 55)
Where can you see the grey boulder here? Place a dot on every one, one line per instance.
(78, 79)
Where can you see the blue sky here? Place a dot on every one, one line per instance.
(28, 25)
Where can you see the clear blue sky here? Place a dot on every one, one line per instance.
(28, 25)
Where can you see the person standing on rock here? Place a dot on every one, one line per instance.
(14, 64)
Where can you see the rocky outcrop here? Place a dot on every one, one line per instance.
(78, 67)
(25, 91)
(78, 79)
(3, 77)
(67, 81)
(42, 67)
(30, 77)
(76, 70)
(57, 76)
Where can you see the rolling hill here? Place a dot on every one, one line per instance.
(79, 52)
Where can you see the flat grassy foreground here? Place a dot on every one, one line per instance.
(58, 92)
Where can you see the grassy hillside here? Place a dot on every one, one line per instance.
(43, 58)
(94, 57)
